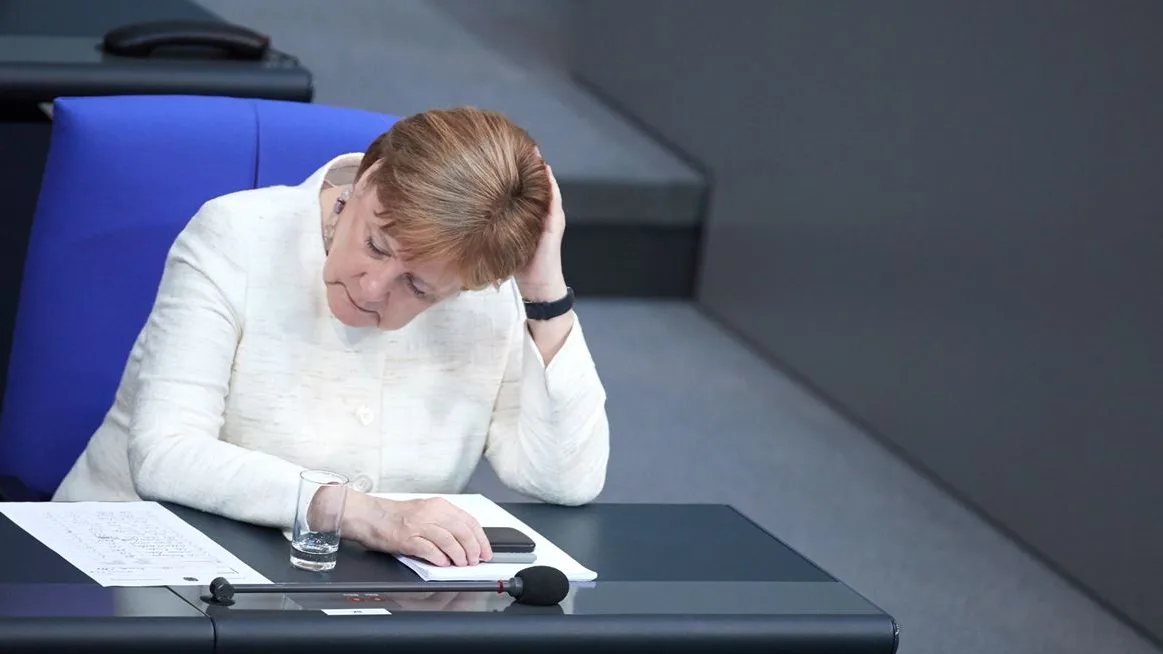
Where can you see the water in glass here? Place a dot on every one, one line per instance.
(313, 550)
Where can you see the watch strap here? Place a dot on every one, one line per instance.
(550, 310)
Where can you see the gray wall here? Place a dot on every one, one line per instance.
(945, 216)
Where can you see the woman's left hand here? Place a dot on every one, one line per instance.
(543, 279)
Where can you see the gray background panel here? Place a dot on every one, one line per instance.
(946, 217)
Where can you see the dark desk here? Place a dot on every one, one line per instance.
(661, 583)
(51, 48)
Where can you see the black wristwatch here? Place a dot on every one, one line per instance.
(550, 310)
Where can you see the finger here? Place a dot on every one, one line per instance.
(462, 526)
(462, 530)
(483, 540)
(554, 190)
(443, 600)
(468, 602)
(423, 548)
(447, 542)
(467, 539)
(470, 534)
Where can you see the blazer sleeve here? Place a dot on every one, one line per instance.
(187, 354)
(550, 437)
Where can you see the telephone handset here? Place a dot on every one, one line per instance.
(141, 39)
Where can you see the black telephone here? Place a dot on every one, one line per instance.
(141, 39)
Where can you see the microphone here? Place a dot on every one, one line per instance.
(539, 585)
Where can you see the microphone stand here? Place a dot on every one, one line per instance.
(222, 592)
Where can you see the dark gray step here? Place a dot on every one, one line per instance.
(634, 206)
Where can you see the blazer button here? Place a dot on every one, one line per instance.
(363, 483)
(365, 416)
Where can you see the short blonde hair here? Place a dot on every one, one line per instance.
(462, 185)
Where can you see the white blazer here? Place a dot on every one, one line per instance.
(241, 378)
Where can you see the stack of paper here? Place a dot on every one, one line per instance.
(129, 543)
(489, 514)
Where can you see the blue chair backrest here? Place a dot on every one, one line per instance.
(124, 176)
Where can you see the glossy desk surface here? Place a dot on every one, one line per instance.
(688, 577)
(51, 48)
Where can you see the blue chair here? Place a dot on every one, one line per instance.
(124, 175)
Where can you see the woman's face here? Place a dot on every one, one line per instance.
(368, 285)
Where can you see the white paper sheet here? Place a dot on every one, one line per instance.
(490, 514)
(129, 543)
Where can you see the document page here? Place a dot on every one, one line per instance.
(129, 543)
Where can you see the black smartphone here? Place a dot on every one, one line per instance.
(508, 540)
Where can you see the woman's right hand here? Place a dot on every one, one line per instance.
(432, 529)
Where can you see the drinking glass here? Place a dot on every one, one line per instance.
(318, 515)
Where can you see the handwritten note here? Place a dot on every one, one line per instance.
(129, 543)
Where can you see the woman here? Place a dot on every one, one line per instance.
(394, 317)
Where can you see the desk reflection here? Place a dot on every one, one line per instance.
(465, 602)
(460, 602)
